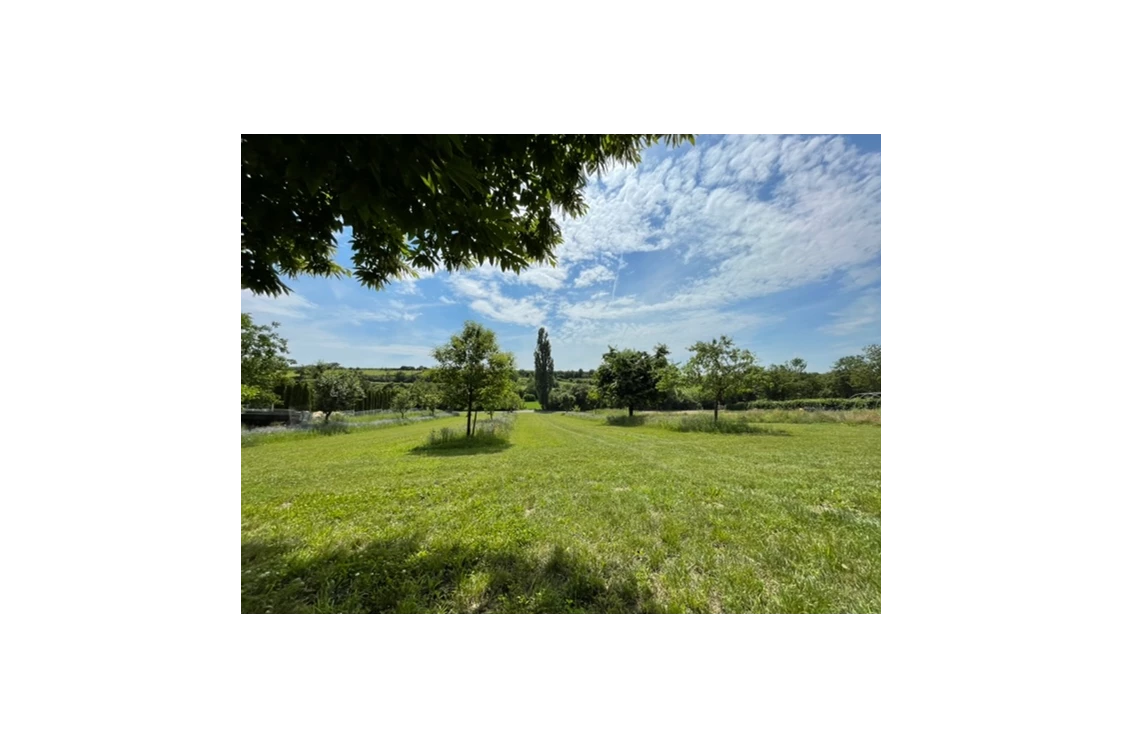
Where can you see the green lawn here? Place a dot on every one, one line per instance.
(576, 515)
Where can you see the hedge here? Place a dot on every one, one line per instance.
(831, 403)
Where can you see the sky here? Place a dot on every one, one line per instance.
(774, 241)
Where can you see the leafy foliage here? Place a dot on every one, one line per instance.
(855, 374)
(337, 389)
(471, 367)
(426, 394)
(265, 361)
(500, 393)
(543, 369)
(403, 400)
(718, 369)
(413, 202)
(630, 378)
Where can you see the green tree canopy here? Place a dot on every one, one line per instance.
(426, 395)
(337, 389)
(265, 361)
(413, 202)
(631, 378)
(471, 365)
(718, 369)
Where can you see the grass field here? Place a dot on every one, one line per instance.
(574, 515)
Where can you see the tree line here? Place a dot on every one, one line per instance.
(472, 374)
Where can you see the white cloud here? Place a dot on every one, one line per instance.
(544, 276)
(515, 311)
(863, 312)
(486, 298)
(595, 274)
(292, 305)
(863, 276)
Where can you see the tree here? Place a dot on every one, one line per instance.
(414, 202)
(581, 397)
(853, 374)
(543, 369)
(873, 361)
(426, 394)
(469, 364)
(718, 369)
(264, 361)
(498, 393)
(628, 378)
(337, 389)
(402, 401)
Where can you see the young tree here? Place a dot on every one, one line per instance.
(337, 389)
(426, 394)
(264, 361)
(497, 394)
(414, 202)
(543, 369)
(402, 401)
(469, 364)
(628, 378)
(718, 369)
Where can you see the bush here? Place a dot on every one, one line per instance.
(564, 400)
(832, 403)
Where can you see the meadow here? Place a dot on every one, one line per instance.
(572, 513)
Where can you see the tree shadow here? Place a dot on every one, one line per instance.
(461, 448)
(405, 575)
(625, 420)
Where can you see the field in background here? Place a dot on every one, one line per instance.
(574, 514)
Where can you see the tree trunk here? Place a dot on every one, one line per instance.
(715, 409)
(474, 422)
(469, 418)
(630, 410)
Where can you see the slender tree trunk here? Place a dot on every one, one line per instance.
(716, 401)
(469, 417)
(474, 422)
(631, 410)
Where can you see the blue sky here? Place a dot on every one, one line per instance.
(772, 240)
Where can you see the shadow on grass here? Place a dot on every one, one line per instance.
(403, 575)
(461, 448)
(625, 420)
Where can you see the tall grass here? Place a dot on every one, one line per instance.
(493, 432)
(726, 425)
(853, 417)
(269, 434)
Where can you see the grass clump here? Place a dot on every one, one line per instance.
(490, 434)
(708, 425)
(625, 420)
